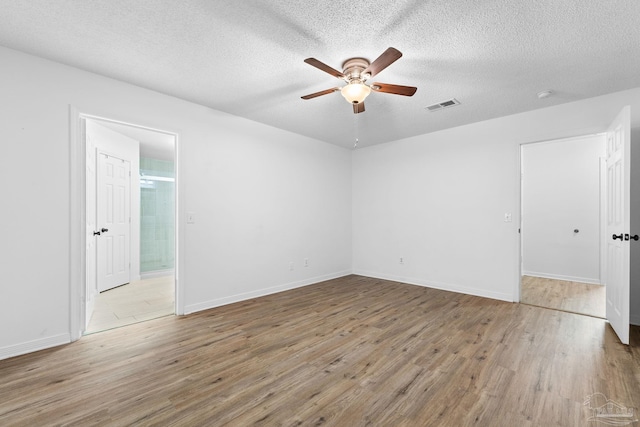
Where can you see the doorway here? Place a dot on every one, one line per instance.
(562, 225)
(145, 286)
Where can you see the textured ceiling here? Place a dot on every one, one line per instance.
(246, 57)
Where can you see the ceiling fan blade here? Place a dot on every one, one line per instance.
(322, 92)
(395, 89)
(324, 67)
(358, 107)
(387, 58)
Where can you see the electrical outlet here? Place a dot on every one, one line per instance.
(507, 217)
(401, 260)
(291, 266)
(306, 262)
(191, 218)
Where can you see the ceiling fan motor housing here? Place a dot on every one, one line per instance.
(353, 68)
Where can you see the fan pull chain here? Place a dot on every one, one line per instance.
(355, 126)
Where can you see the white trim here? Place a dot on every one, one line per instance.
(157, 273)
(603, 219)
(565, 139)
(561, 277)
(179, 229)
(35, 345)
(262, 292)
(438, 285)
(77, 226)
(518, 288)
(517, 285)
(156, 178)
(122, 122)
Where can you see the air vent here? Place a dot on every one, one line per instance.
(444, 104)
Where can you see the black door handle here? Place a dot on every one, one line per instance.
(617, 237)
(104, 230)
(635, 237)
(96, 233)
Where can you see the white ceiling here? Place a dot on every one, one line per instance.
(246, 57)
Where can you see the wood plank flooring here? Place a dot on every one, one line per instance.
(574, 297)
(353, 351)
(134, 302)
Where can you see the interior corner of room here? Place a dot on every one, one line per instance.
(260, 210)
(201, 223)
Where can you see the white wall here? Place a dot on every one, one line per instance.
(561, 193)
(439, 200)
(262, 198)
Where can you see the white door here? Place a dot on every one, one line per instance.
(618, 224)
(91, 237)
(113, 221)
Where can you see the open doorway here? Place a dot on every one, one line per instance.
(133, 259)
(562, 225)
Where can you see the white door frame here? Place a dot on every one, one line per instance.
(77, 219)
(517, 290)
(603, 234)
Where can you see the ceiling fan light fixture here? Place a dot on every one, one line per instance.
(355, 92)
(356, 71)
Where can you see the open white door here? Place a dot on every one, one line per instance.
(114, 221)
(618, 224)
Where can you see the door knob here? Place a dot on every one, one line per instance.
(617, 236)
(96, 233)
(635, 237)
(104, 230)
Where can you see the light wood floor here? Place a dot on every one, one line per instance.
(134, 302)
(353, 351)
(574, 297)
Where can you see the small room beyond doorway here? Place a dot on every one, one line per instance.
(149, 292)
(562, 190)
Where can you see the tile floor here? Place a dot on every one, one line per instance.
(132, 303)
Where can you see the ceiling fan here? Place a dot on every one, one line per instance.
(356, 71)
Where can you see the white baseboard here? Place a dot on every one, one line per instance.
(35, 345)
(192, 308)
(438, 285)
(561, 277)
(157, 273)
